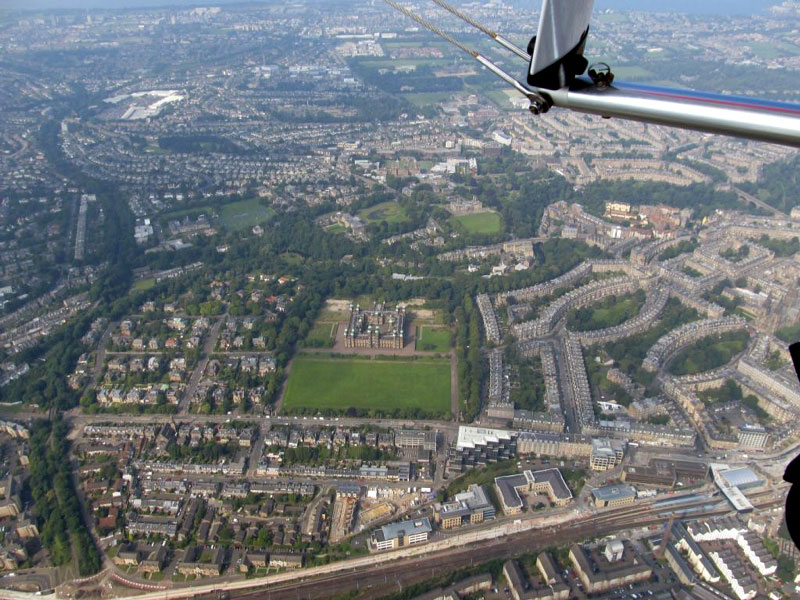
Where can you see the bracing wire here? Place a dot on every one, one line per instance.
(432, 28)
(479, 26)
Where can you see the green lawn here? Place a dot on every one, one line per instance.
(482, 476)
(186, 212)
(500, 98)
(322, 335)
(789, 334)
(244, 214)
(610, 312)
(691, 272)
(487, 222)
(433, 340)
(773, 50)
(369, 387)
(391, 212)
(144, 285)
(423, 99)
(709, 353)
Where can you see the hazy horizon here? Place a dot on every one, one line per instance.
(719, 7)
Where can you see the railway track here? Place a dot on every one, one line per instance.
(392, 577)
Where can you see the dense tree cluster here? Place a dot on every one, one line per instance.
(629, 352)
(528, 387)
(709, 353)
(778, 185)
(683, 247)
(471, 369)
(781, 248)
(57, 506)
(191, 144)
(204, 453)
(789, 334)
(702, 198)
(609, 312)
(320, 455)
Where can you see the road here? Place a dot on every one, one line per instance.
(197, 375)
(101, 354)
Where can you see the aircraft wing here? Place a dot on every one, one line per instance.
(560, 40)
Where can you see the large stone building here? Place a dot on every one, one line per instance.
(606, 454)
(598, 574)
(614, 495)
(380, 327)
(567, 445)
(547, 481)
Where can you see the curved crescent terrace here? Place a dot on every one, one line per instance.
(682, 337)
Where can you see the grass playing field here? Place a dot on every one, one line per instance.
(432, 340)
(486, 222)
(144, 284)
(371, 387)
(244, 214)
(391, 212)
(322, 335)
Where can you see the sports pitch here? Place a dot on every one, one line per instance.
(485, 222)
(385, 387)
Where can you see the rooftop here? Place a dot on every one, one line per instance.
(556, 481)
(742, 478)
(614, 492)
(469, 437)
(508, 485)
(403, 528)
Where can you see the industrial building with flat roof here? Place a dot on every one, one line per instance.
(661, 472)
(614, 495)
(404, 533)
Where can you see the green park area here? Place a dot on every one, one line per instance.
(142, 285)
(628, 353)
(322, 335)
(369, 387)
(244, 214)
(731, 392)
(789, 334)
(482, 223)
(431, 339)
(391, 212)
(609, 312)
(709, 353)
